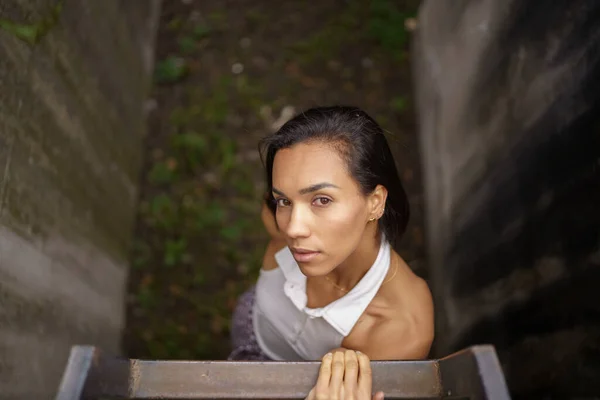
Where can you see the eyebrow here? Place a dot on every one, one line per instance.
(310, 189)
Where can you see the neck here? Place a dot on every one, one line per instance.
(352, 270)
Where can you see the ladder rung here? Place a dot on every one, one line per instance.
(473, 373)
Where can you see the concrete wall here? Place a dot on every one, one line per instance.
(73, 80)
(509, 114)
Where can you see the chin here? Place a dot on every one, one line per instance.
(313, 270)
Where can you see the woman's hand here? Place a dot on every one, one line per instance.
(344, 376)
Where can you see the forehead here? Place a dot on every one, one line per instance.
(305, 164)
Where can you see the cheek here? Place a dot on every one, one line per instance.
(340, 234)
(282, 216)
(343, 222)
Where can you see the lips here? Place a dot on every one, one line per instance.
(303, 255)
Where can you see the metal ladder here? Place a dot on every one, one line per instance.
(473, 373)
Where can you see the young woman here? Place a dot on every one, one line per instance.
(330, 278)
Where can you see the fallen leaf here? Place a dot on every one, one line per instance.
(308, 82)
(175, 290)
(292, 69)
(334, 65)
(146, 280)
(171, 163)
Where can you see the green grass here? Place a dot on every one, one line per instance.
(200, 240)
(380, 21)
(386, 26)
(202, 217)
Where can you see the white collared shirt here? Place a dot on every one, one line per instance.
(287, 330)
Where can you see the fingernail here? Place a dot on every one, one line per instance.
(328, 355)
(358, 352)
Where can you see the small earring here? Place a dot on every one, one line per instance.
(372, 219)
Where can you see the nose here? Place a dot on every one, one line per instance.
(298, 226)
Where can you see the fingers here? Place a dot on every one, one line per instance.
(378, 396)
(337, 375)
(321, 389)
(351, 372)
(344, 375)
(364, 374)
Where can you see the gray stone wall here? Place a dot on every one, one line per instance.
(509, 118)
(73, 80)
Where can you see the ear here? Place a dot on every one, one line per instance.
(376, 202)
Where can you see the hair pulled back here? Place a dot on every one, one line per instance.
(360, 142)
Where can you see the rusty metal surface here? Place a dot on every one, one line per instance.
(108, 376)
(271, 380)
(470, 374)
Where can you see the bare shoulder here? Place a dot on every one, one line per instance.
(269, 262)
(409, 291)
(399, 339)
(418, 304)
(422, 315)
(405, 334)
(423, 299)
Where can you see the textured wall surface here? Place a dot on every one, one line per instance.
(509, 114)
(73, 80)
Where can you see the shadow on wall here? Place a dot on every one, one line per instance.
(509, 115)
(74, 76)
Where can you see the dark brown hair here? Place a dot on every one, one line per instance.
(362, 144)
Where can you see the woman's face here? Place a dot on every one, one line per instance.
(321, 211)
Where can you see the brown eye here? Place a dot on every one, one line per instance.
(283, 202)
(322, 201)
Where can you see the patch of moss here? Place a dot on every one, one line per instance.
(34, 32)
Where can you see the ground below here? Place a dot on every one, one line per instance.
(227, 73)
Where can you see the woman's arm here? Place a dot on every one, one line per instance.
(403, 335)
(395, 341)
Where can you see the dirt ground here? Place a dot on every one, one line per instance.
(228, 72)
